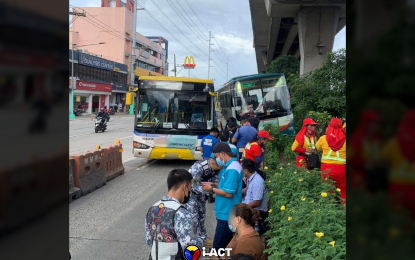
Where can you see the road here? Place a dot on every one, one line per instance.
(82, 137)
(109, 222)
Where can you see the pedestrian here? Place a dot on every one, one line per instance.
(231, 127)
(333, 161)
(228, 192)
(244, 134)
(255, 192)
(208, 142)
(224, 138)
(205, 171)
(304, 143)
(253, 120)
(242, 218)
(168, 224)
(255, 149)
(120, 107)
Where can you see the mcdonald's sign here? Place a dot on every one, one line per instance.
(189, 62)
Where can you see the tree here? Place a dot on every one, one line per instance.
(287, 64)
(323, 90)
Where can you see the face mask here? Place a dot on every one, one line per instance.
(219, 162)
(233, 229)
(186, 199)
(310, 132)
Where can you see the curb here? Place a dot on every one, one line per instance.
(148, 161)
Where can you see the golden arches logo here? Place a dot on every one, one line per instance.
(189, 62)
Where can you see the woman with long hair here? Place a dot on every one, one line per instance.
(246, 240)
(304, 143)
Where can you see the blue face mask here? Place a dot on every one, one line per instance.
(233, 229)
(219, 162)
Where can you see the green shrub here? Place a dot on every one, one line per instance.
(281, 143)
(300, 191)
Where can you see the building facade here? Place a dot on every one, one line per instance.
(112, 23)
(99, 82)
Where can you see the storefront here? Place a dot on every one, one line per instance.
(90, 96)
(118, 96)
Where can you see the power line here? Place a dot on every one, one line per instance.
(196, 16)
(162, 26)
(179, 14)
(176, 26)
(194, 24)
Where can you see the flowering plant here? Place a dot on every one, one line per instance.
(316, 226)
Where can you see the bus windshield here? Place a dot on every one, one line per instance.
(171, 106)
(271, 98)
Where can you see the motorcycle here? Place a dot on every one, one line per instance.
(100, 124)
(78, 112)
(111, 111)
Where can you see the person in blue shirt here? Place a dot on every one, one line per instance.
(208, 142)
(224, 138)
(244, 134)
(228, 192)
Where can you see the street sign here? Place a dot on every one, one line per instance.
(73, 83)
(187, 63)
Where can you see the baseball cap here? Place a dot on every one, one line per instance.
(222, 147)
(264, 134)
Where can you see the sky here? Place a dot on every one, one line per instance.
(187, 33)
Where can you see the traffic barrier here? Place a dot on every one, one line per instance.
(89, 171)
(74, 192)
(112, 155)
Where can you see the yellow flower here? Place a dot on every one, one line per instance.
(339, 190)
(269, 181)
(295, 172)
(332, 243)
(270, 210)
(300, 180)
(272, 191)
(326, 179)
(302, 198)
(265, 168)
(323, 194)
(283, 208)
(319, 234)
(308, 171)
(281, 168)
(290, 218)
(288, 164)
(313, 211)
(312, 201)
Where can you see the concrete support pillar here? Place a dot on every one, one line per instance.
(316, 24)
(89, 111)
(70, 103)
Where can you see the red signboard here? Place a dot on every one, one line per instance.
(93, 86)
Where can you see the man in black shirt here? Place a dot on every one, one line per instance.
(253, 120)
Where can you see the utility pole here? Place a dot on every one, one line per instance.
(175, 70)
(210, 37)
(133, 53)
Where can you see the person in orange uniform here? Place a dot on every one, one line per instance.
(333, 161)
(304, 142)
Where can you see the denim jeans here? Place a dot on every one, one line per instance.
(223, 235)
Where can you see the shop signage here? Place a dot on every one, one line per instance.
(93, 86)
(89, 60)
(118, 87)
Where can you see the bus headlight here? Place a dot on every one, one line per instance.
(140, 145)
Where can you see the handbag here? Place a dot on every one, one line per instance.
(313, 161)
